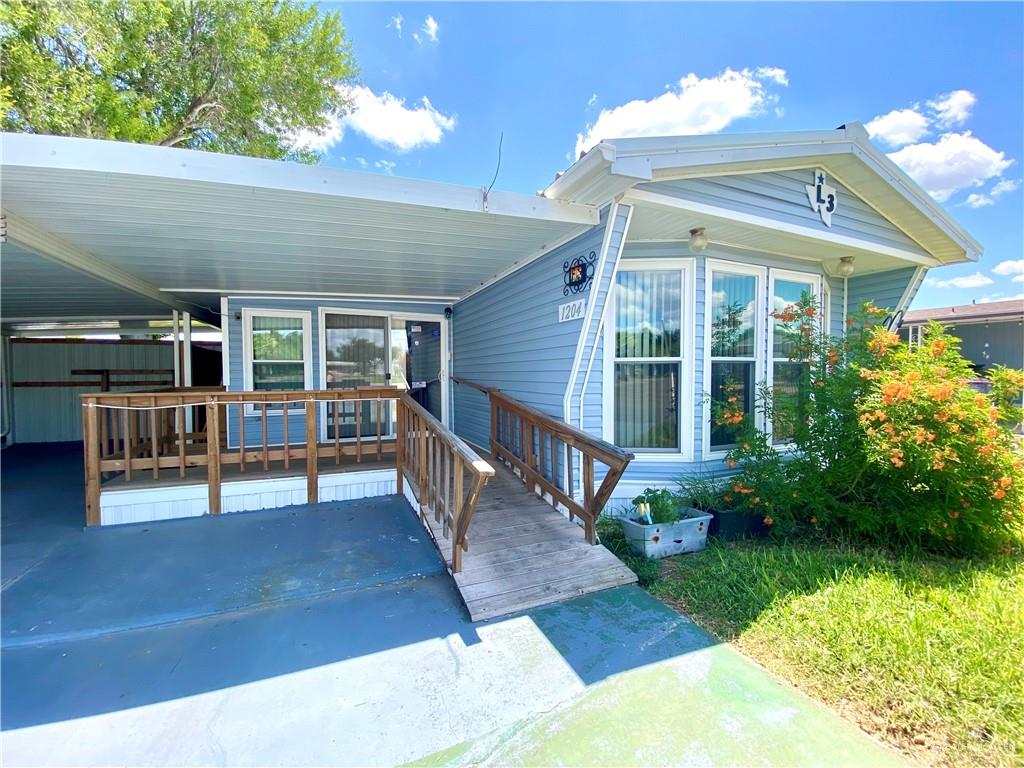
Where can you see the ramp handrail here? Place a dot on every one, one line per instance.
(541, 448)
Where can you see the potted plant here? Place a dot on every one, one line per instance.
(729, 522)
(661, 526)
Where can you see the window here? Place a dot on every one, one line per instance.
(276, 349)
(747, 348)
(649, 350)
(787, 380)
(734, 339)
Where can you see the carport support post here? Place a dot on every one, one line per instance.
(312, 480)
(213, 455)
(90, 429)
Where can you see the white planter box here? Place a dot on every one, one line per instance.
(667, 539)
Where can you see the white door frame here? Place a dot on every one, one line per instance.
(389, 320)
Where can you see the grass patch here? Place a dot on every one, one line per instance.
(926, 652)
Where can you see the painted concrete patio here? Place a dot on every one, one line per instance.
(333, 636)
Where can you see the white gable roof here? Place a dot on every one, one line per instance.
(616, 165)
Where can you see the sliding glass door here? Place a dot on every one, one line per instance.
(356, 355)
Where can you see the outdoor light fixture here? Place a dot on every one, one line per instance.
(698, 240)
(845, 267)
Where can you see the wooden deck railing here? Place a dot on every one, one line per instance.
(545, 451)
(163, 434)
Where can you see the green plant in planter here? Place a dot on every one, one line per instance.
(664, 505)
(701, 492)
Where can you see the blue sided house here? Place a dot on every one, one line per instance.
(384, 335)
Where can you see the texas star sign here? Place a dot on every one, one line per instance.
(822, 197)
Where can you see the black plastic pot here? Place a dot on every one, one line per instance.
(733, 524)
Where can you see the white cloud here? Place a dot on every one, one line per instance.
(362, 162)
(1009, 267)
(592, 100)
(956, 161)
(999, 297)
(396, 23)
(386, 165)
(385, 120)
(319, 142)
(899, 127)
(977, 280)
(952, 109)
(1000, 188)
(693, 105)
(1017, 279)
(778, 74)
(430, 29)
(978, 200)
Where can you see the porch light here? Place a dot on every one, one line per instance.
(698, 240)
(845, 267)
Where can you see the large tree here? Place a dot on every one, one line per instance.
(238, 76)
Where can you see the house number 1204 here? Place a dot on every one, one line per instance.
(572, 311)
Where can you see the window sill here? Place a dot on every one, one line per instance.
(659, 457)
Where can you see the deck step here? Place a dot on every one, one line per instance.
(523, 554)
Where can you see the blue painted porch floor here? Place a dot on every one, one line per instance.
(385, 669)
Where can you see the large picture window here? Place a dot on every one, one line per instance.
(277, 350)
(650, 357)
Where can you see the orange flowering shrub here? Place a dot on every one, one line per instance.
(955, 474)
(883, 440)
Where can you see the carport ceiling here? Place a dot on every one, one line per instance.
(194, 224)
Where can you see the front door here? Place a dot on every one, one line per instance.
(417, 362)
(355, 355)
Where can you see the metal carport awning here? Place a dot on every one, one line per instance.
(128, 229)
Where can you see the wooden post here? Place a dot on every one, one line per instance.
(494, 426)
(457, 510)
(284, 433)
(312, 490)
(213, 455)
(90, 430)
(421, 434)
(588, 498)
(399, 446)
(154, 439)
(241, 437)
(180, 410)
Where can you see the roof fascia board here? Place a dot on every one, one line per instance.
(915, 195)
(112, 157)
(664, 201)
(56, 249)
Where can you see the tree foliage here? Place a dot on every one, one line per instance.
(237, 76)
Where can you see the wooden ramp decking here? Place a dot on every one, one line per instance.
(523, 554)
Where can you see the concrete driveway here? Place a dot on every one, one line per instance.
(332, 635)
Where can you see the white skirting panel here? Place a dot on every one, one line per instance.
(143, 505)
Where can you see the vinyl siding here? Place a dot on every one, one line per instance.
(883, 289)
(54, 414)
(296, 416)
(508, 336)
(782, 196)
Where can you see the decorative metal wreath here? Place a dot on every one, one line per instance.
(578, 273)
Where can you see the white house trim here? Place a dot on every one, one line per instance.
(307, 347)
(653, 198)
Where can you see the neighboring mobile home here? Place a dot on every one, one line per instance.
(593, 302)
(991, 333)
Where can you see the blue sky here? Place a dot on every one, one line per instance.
(939, 85)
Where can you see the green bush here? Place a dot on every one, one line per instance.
(885, 440)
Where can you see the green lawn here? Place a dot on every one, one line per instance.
(923, 651)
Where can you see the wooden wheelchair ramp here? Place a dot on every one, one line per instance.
(523, 554)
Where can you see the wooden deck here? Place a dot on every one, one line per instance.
(523, 554)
